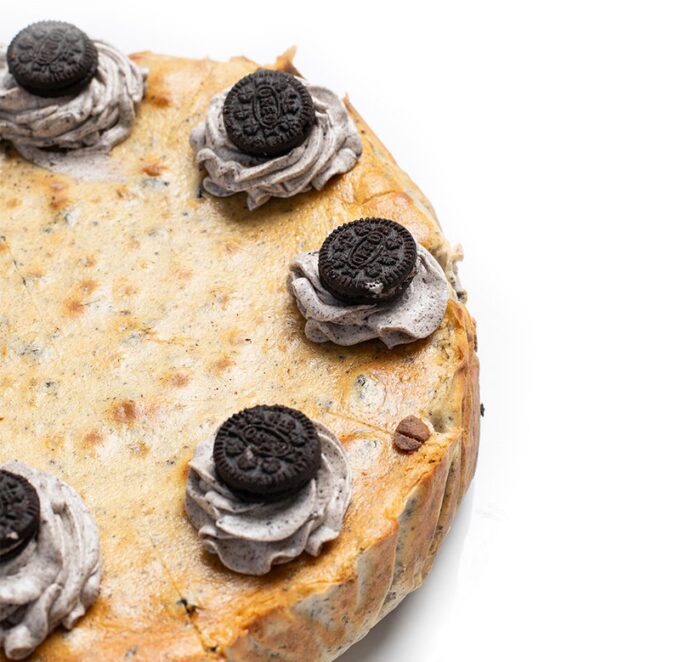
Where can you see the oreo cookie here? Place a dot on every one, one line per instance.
(52, 59)
(266, 453)
(268, 113)
(369, 260)
(19, 514)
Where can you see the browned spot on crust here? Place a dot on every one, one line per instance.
(176, 379)
(114, 359)
(54, 442)
(123, 412)
(3, 245)
(123, 192)
(123, 288)
(59, 201)
(221, 296)
(157, 93)
(126, 324)
(87, 286)
(152, 409)
(231, 246)
(92, 438)
(234, 336)
(73, 307)
(59, 198)
(89, 261)
(160, 98)
(34, 272)
(153, 168)
(222, 364)
(139, 448)
(12, 203)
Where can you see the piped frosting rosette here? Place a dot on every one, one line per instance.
(413, 315)
(331, 148)
(56, 577)
(252, 537)
(95, 119)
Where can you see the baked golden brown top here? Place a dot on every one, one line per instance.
(137, 314)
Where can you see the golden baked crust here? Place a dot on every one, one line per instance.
(135, 316)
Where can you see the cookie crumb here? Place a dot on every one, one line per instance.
(410, 434)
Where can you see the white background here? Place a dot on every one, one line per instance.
(547, 136)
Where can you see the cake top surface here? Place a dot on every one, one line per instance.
(137, 314)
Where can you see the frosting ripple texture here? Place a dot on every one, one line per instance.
(251, 537)
(414, 314)
(56, 578)
(97, 118)
(332, 147)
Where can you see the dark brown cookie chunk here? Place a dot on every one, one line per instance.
(268, 113)
(267, 453)
(52, 59)
(369, 260)
(411, 434)
(19, 514)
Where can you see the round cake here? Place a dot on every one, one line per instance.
(139, 313)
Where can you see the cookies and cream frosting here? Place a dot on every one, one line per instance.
(251, 537)
(331, 148)
(56, 577)
(416, 313)
(95, 119)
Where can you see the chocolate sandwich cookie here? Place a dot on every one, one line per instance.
(19, 514)
(266, 453)
(268, 113)
(52, 59)
(366, 261)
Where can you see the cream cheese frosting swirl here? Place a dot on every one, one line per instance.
(332, 147)
(56, 578)
(95, 119)
(414, 314)
(251, 537)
